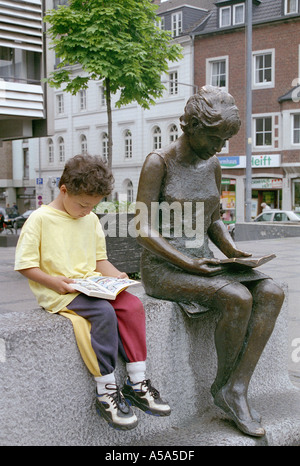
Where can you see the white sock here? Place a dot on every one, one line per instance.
(103, 380)
(136, 371)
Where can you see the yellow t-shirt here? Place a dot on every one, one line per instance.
(60, 246)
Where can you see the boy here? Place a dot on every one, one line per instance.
(63, 241)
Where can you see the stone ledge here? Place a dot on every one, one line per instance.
(48, 395)
(252, 231)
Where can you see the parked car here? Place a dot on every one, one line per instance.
(19, 221)
(277, 215)
(272, 216)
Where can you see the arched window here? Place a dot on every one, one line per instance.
(129, 191)
(128, 144)
(83, 144)
(104, 146)
(50, 150)
(156, 138)
(61, 149)
(173, 134)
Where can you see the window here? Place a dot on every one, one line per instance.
(225, 16)
(281, 217)
(296, 129)
(128, 144)
(102, 96)
(239, 14)
(173, 135)
(234, 15)
(50, 151)
(173, 83)
(83, 144)
(263, 69)
(160, 22)
(176, 24)
(82, 99)
(129, 192)
(290, 7)
(267, 217)
(19, 65)
(263, 131)
(25, 163)
(104, 144)
(218, 73)
(61, 149)
(60, 104)
(156, 138)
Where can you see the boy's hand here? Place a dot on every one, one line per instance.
(62, 285)
(123, 275)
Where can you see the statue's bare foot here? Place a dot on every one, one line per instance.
(240, 416)
(254, 414)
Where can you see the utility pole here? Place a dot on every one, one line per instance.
(249, 113)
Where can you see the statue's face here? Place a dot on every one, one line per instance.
(207, 142)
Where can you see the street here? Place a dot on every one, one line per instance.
(16, 294)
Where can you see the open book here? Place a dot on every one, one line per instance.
(102, 287)
(248, 261)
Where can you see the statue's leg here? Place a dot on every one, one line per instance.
(232, 398)
(234, 301)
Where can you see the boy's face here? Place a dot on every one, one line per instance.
(78, 205)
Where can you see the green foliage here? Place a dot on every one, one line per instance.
(114, 39)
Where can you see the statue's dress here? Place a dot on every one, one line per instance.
(161, 279)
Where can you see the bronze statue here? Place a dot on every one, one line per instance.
(176, 269)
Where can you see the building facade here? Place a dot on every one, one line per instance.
(220, 59)
(25, 102)
(80, 121)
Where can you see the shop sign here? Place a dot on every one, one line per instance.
(266, 183)
(257, 161)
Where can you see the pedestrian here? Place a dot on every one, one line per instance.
(265, 207)
(63, 241)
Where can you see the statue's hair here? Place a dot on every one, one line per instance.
(213, 108)
(86, 174)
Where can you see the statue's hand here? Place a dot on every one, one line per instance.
(207, 266)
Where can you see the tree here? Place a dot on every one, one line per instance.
(116, 41)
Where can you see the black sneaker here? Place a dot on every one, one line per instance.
(145, 397)
(114, 409)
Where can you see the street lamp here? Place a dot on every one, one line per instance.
(249, 113)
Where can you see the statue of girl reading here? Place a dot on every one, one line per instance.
(175, 269)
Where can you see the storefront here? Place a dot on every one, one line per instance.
(228, 200)
(266, 181)
(268, 190)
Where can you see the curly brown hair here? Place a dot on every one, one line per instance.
(86, 174)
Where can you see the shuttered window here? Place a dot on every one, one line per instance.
(21, 24)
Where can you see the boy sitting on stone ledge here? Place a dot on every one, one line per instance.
(63, 241)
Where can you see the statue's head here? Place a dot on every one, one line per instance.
(211, 108)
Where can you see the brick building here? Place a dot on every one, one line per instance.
(220, 59)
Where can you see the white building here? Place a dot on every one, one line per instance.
(80, 122)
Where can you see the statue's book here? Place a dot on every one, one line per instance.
(102, 287)
(249, 261)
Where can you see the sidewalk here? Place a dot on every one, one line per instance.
(16, 295)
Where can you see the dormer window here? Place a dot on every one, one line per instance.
(290, 7)
(232, 15)
(176, 24)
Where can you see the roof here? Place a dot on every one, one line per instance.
(173, 4)
(263, 12)
(292, 94)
